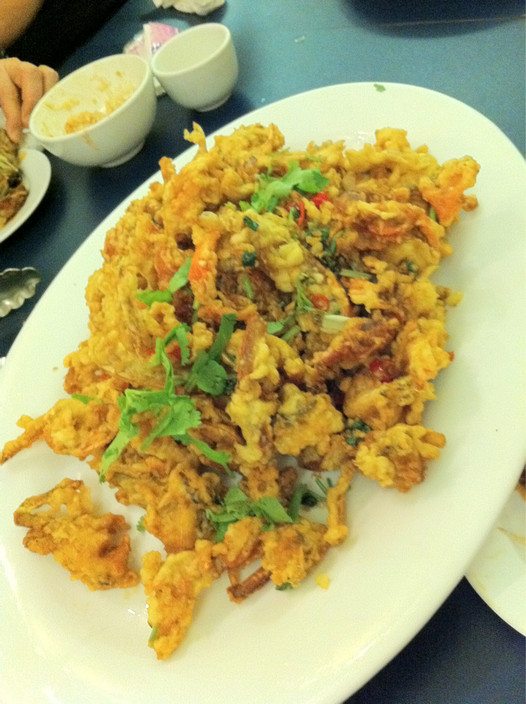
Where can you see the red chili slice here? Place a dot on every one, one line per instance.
(300, 207)
(320, 301)
(320, 198)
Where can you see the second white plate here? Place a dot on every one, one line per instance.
(37, 175)
(498, 572)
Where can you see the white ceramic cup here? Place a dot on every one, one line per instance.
(198, 68)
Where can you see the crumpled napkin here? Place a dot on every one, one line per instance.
(197, 7)
(146, 43)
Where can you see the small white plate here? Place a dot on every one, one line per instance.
(37, 174)
(498, 572)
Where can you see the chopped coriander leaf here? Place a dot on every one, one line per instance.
(309, 499)
(249, 259)
(360, 425)
(291, 333)
(355, 430)
(247, 287)
(270, 510)
(251, 224)
(276, 326)
(271, 190)
(153, 634)
(140, 524)
(284, 587)
(173, 419)
(237, 505)
(329, 258)
(433, 214)
(226, 328)
(81, 398)
(178, 280)
(222, 458)
(355, 274)
(179, 334)
(303, 304)
(175, 414)
(324, 486)
(325, 234)
(302, 496)
(411, 267)
(230, 384)
(206, 373)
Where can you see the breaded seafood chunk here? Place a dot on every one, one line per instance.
(94, 549)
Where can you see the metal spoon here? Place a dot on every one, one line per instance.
(16, 286)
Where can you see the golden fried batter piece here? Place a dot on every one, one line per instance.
(397, 457)
(356, 344)
(71, 427)
(291, 551)
(303, 420)
(92, 548)
(446, 193)
(240, 547)
(172, 588)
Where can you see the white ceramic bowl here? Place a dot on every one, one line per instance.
(118, 87)
(198, 68)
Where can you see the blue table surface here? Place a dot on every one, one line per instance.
(473, 51)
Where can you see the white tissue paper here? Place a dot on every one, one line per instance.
(146, 43)
(197, 7)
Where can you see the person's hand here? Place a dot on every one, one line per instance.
(21, 86)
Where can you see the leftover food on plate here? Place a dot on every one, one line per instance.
(263, 327)
(85, 118)
(13, 192)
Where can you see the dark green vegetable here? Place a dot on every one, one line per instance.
(249, 259)
(252, 224)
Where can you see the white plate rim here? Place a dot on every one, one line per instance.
(338, 679)
(36, 169)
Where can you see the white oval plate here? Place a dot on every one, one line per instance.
(405, 553)
(37, 174)
(498, 572)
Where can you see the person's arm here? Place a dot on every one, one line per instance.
(21, 86)
(15, 17)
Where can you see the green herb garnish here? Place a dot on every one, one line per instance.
(247, 287)
(178, 280)
(175, 414)
(252, 224)
(356, 432)
(83, 399)
(271, 190)
(206, 373)
(237, 505)
(249, 259)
